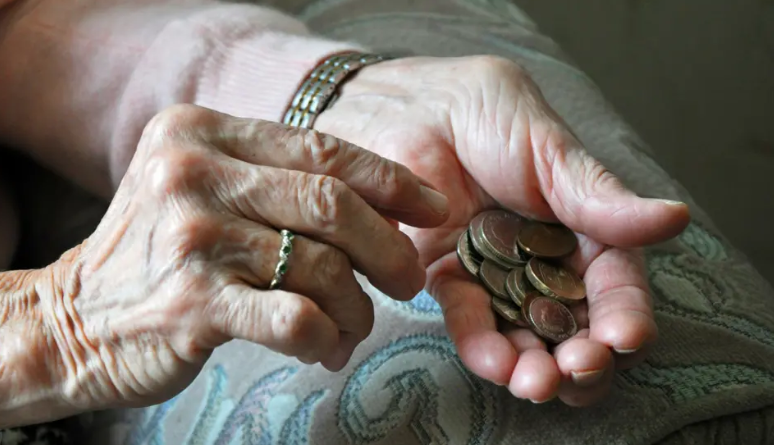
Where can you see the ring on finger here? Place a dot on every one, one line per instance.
(286, 248)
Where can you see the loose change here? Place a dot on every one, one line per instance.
(517, 261)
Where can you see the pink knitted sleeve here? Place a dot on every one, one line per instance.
(79, 79)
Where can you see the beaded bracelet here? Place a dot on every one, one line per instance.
(320, 89)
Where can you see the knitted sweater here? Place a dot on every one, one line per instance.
(79, 79)
(91, 73)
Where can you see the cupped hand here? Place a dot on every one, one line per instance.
(479, 130)
(182, 261)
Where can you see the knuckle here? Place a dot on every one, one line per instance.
(289, 321)
(173, 170)
(334, 271)
(595, 175)
(325, 197)
(323, 150)
(226, 316)
(491, 65)
(390, 177)
(333, 265)
(175, 122)
(194, 238)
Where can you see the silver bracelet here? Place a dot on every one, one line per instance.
(320, 89)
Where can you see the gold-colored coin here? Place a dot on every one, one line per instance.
(494, 233)
(493, 278)
(518, 285)
(487, 254)
(470, 260)
(547, 240)
(527, 299)
(509, 311)
(555, 281)
(475, 229)
(501, 229)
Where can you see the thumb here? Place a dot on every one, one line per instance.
(591, 200)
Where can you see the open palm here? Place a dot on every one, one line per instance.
(480, 132)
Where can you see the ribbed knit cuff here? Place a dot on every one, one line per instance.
(257, 78)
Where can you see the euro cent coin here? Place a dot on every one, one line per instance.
(509, 311)
(547, 240)
(518, 285)
(465, 255)
(496, 232)
(555, 281)
(550, 319)
(493, 277)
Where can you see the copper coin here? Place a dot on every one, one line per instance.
(465, 255)
(555, 281)
(476, 230)
(474, 255)
(479, 244)
(547, 240)
(495, 232)
(509, 311)
(476, 233)
(527, 301)
(550, 319)
(493, 278)
(518, 285)
(489, 255)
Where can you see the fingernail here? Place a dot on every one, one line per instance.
(437, 201)
(625, 351)
(536, 402)
(586, 378)
(671, 203)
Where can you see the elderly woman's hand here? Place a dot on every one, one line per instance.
(184, 257)
(480, 130)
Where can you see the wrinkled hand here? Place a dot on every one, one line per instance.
(479, 130)
(183, 258)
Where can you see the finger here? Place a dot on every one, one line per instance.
(580, 312)
(589, 199)
(573, 395)
(317, 271)
(582, 360)
(587, 368)
(386, 185)
(540, 169)
(536, 376)
(588, 250)
(325, 209)
(281, 321)
(470, 322)
(620, 308)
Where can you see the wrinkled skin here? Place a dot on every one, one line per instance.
(479, 130)
(182, 260)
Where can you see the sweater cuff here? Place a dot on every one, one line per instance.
(257, 78)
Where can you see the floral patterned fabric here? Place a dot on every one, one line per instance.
(710, 378)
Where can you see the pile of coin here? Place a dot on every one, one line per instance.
(517, 261)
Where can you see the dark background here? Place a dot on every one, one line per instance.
(695, 78)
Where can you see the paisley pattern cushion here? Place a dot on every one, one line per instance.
(710, 378)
